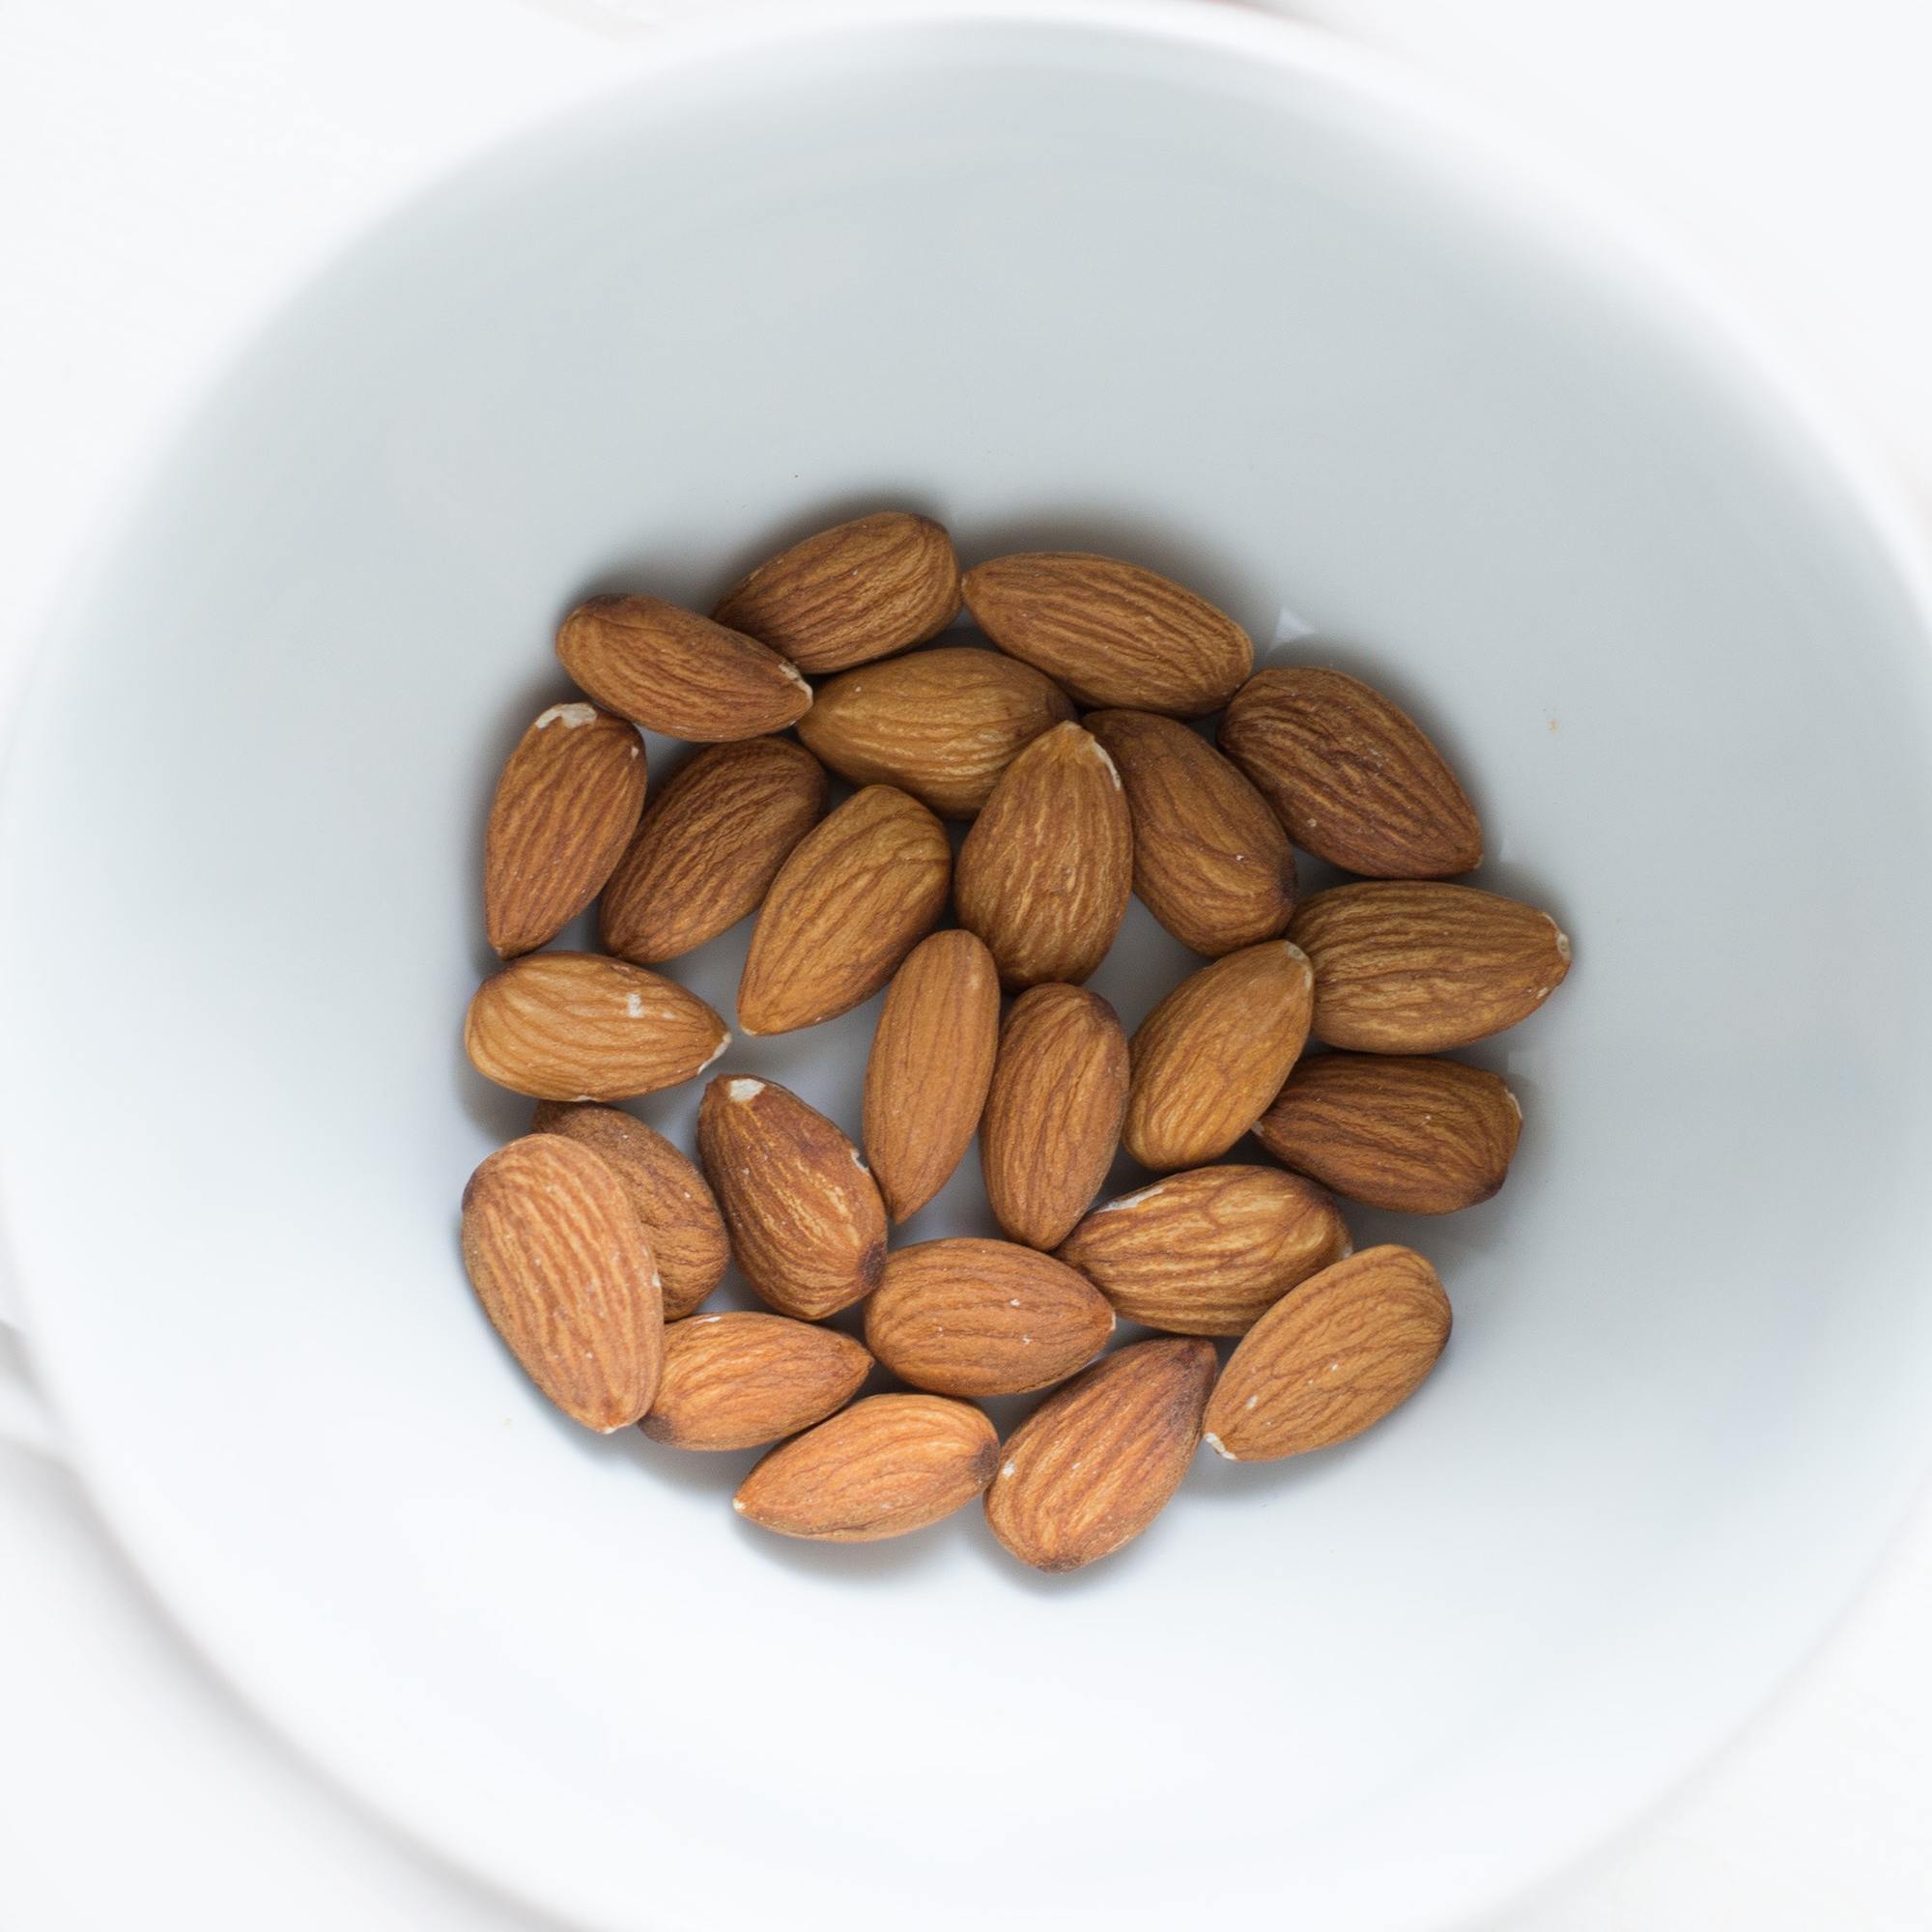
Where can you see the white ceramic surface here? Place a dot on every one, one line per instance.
(1176, 282)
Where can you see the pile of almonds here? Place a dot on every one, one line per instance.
(592, 1241)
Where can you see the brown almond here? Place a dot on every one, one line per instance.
(1212, 1056)
(1211, 861)
(1053, 1112)
(970, 1316)
(668, 1194)
(673, 671)
(885, 1465)
(1420, 967)
(576, 1026)
(942, 725)
(1420, 1136)
(1045, 871)
(564, 1272)
(1348, 1346)
(806, 1220)
(1096, 1463)
(1352, 776)
(930, 1064)
(851, 593)
(739, 1380)
(860, 891)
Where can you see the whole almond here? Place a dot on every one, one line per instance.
(1096, 1463)
(668, 1194)
(859, 892)
(851, 593)
(673, 671)
(1420, 967)
(564, 1272)
(576, 1026)
(1053, 1112)
(1208, 1252)
(1212, 1056)
(942, 725)
(1420, 1136)
(567, 802)
(930, 1064)
(738, 1380)
(1111, 633)
(970, 1316)
(1352, 776)
(885, 1465)
(1211, 860)
(709, 847)
(1348, 1346)
(806, 1220)
(1045, 871)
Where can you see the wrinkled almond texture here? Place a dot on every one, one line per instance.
(738, 1380)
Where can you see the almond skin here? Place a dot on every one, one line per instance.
(1211, 860)
(1348, 1346)
(1045, 873)
(576, 1026)
(1096, 1463)
(806, 1220)
(566, 805)
(970, 1316)
(930, 1064)
(1352, 776)
(673, 671)
(668, 1194)
(1208, 1252)
(1212, 1056)
(1421, 967)
(860, 891)
(709, 847)
(564, 1272)
(885, 1465)
(1112, 633)
(743, 1379)
(942, 725)
(851, 593)
(1420, 1136)
(1053, 1113)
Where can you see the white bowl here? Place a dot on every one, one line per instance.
(1176, 282)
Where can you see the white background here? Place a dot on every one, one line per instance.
(169, 168)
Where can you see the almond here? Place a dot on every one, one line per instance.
(1420, 1136)
(576, 1026)
(1352, 775)
(885, 1465)
(860, 891)
(1208, 1252)
(942, 725)
(851, 593)
(1211, 861)
(564, 1272)
(668, 1194)
(1053, 1113)
(1111, 633)
(1418, 967)
(565, 806)
(709, 847)
(806, 1220)
(736, 1381)
(930, 1064)
(673, 671)
(1045, 871)
(970, 1316)
(1348, 1346)
(1096, 1463)
(1212, 1056)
